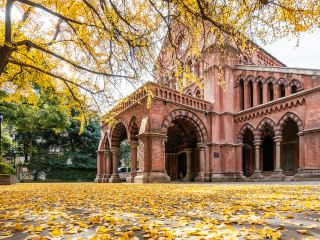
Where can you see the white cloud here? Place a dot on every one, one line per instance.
(306, 55)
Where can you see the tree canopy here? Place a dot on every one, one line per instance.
(84, 51)
(49, 140)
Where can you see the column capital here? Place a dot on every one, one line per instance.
(277, 139)
(133, 144)
(152, 134)
(188, 150)
(114, 149)
(107, 152)
(101, 151)
(257, 142)
(201, 145)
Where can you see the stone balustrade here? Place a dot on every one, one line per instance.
(175, 96)
(162, 92)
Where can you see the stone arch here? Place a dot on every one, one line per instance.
(133, 129)
(119, 132)
(259, 79)
(189, 92)
(202, 134)
(270, 80)
(296, 83)
(292, 116)
(266, 121)
(249, 78)
(283, 81)
(104, 143)
(239, 78)
(242, 131)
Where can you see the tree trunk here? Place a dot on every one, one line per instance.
(5, 53)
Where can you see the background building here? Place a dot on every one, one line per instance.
(253, 119)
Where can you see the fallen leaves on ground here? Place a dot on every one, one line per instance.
(39, 211)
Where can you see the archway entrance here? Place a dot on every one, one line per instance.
(182, 162)
(290, 147)
(248, 158)
(268, 148)
(118, 149)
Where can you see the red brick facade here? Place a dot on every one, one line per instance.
(262, 123)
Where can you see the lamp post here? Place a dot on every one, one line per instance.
(1, 119)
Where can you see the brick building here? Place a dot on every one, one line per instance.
(262, 123)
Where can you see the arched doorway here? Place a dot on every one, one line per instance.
(182, 163)
(290, 147)
(248, 158)
(119, 138)
(267, 135)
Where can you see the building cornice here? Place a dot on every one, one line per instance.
(309, 131)
(300, 71)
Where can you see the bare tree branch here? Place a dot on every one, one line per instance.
(37, 5)
(28, 43)
(13, 61)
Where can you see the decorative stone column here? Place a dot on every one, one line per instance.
(257, 172)
(133, 160)
(108, 158)
(99, 166)
(275, 91)
(188, 176)
(201, 174)
(278, 173)
(143, 159)
(158, 158)
(301, 147)
(152, 165)
(287, 90)
(265, 92)
(115, 158)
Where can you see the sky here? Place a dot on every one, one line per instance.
(306, 55)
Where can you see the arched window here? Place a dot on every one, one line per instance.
(282, 90)
(198, 93)
(294, 89)
(270, 91)
(250, 91)
(189, 92)
(260, 92)
(241, 94)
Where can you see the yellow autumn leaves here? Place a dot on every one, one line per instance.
(159, 211)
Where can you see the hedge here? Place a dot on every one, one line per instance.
(6, 169)
(71, 174)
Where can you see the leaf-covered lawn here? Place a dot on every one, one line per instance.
(159, 211)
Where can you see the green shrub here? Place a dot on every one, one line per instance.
(6, 169)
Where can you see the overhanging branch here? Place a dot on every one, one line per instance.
(49, 74)
(28, 43)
